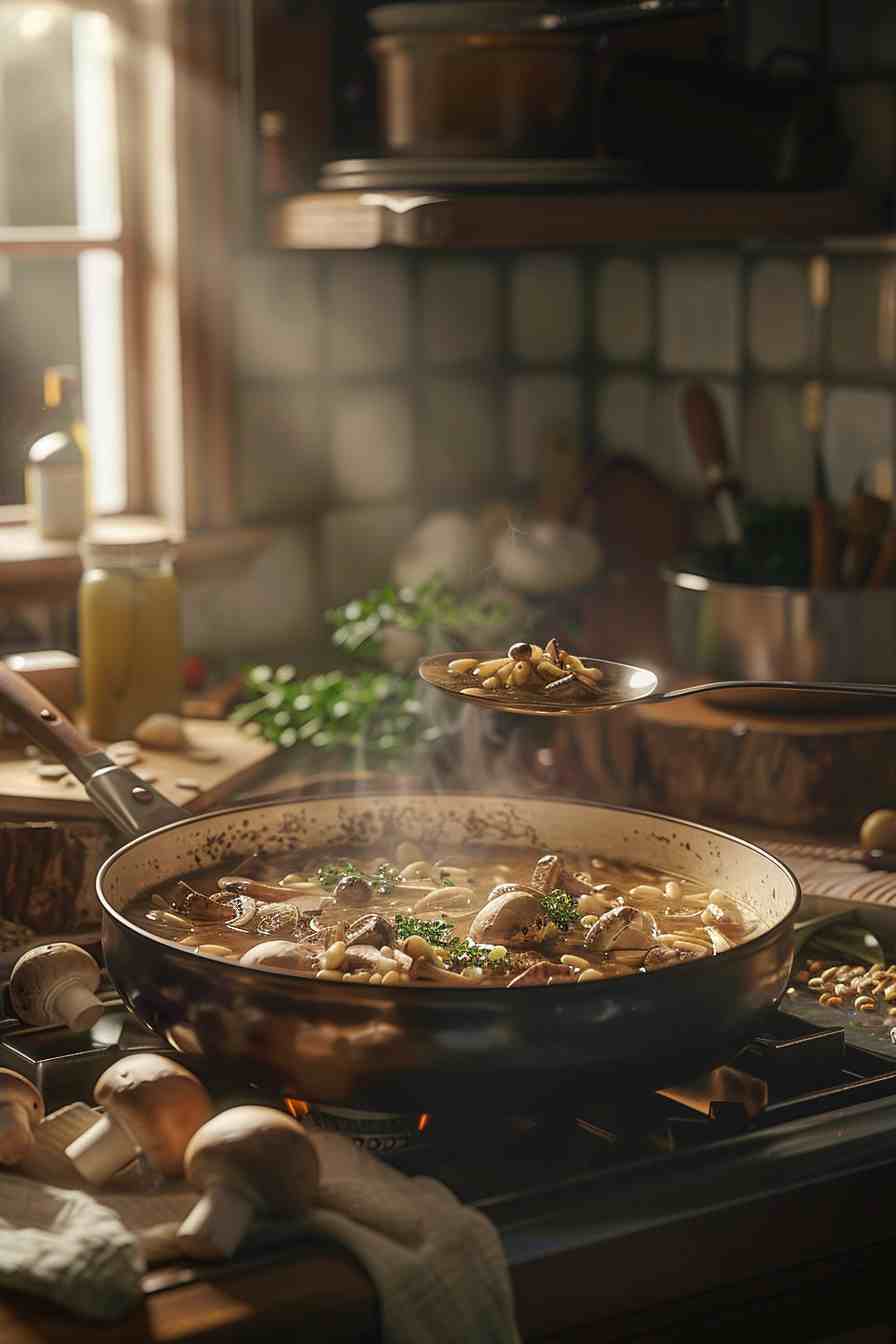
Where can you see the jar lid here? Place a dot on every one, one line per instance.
(124, 541)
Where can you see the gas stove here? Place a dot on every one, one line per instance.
(758, 1188)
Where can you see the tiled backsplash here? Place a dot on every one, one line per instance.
(376, 385)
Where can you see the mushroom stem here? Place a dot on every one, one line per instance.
(217, 1223)
(16, 1138)
(102, 1151)
(76, 1005)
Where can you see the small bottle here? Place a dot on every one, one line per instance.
(130, 633)
(57, 478)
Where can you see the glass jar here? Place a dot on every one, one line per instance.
(129, 623)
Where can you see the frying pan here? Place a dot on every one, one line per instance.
(403, 1049)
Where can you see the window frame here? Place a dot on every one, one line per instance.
(176, 80)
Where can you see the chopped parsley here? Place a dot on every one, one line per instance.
(457, 953)
(437, 932)
(382, 880)
(562, 908)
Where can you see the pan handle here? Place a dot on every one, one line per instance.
(123, 798)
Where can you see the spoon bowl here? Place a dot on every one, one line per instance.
(620, 684)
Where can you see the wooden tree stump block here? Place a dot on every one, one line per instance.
(696, 760)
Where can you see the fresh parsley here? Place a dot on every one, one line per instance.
(457, 953)
(382, 879)
(562, 908)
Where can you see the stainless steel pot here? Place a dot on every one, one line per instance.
(398, 1049)
(733, 631)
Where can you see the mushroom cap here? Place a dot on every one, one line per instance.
(158, 1102)
(280, 955)
(262, 1152)
(514, 919)
(39, 970)
(14, 1087)
(353, 891)
(372, 930)
(15, 1138)
(625, 926)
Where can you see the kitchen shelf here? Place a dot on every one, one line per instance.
(431, 219)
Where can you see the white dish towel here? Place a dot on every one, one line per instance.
(438, 1265)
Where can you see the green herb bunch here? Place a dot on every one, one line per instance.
(364, 707)
(430, 609)
(376, 710)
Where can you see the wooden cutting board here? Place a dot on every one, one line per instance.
(24, 794)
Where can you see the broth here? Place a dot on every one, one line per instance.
(491, 917)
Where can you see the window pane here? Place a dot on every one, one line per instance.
(58, 154)
(38, 327)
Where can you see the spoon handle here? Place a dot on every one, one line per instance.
(840, 687)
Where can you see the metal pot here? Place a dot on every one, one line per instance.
(400, 1049)
(498, 95)
(515, 78)
(733, 631)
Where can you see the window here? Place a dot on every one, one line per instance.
(65, 253)
(121, 212)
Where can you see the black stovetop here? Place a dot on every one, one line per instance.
(793, 1159)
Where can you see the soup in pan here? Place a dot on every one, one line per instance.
(491, 917)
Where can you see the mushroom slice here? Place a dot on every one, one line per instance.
(544, 973)
(547, 873)
(371, 931)
(197, 907)
(512, 920)
(281, 955)
(662, 955)
(620, 928)
(727, 919)
(244, 909)
(719, 942)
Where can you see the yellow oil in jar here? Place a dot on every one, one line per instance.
(131, 652)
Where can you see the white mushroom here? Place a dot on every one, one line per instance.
(427, 972)
(245, 1160)
(513, 920)
(21, 1111)
(163, 731)
(622, 927)
(152, 1105)
(281, 955)
(56, 983)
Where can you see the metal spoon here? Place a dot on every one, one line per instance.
(620, 684)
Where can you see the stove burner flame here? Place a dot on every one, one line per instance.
(377, 1131)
